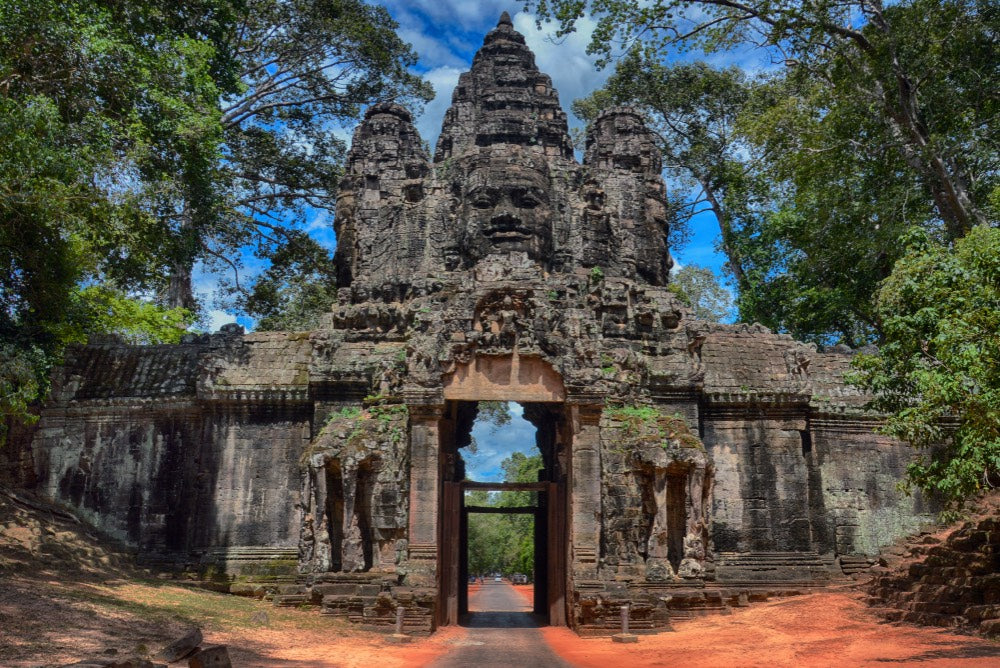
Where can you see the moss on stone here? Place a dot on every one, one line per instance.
(648, 424)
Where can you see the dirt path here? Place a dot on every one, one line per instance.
(64, 596)
(48, 623)
(824, 629)
(500, 631)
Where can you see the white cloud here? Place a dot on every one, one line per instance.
(215, 319)
(497, 444)
(444, 80)
(574, 72)
(432, 51)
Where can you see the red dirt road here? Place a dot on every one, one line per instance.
(831, 628)
(823, 629)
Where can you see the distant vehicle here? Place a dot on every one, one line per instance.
(519, 579)
(498, 579)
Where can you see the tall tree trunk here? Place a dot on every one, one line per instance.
(180, 293)
(946, 181)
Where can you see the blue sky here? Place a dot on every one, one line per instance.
(497, 443)
(446, 34)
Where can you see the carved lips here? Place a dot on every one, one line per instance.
(507, 228)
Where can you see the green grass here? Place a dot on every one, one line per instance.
(160, 602)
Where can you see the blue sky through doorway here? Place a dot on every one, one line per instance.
(497, 443)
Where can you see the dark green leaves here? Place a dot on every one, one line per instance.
(937, 375)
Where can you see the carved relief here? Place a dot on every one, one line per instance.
(507, 207)
(356, 481)
(505, 322)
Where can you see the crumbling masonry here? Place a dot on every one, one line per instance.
(688, 465)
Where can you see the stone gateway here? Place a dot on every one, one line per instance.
(687, 466)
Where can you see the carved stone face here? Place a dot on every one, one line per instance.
(507, 208)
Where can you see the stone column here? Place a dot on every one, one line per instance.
(657, 545)
(425, 449)
(352, 544)
(321, 557)
(585, 493)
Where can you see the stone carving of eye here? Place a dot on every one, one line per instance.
(482, 199)
(525, 199)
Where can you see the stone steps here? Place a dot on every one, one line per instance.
(851, 564)
(369, 601)
(774, 567)
(955, 583)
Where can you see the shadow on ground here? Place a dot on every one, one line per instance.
(502, 620)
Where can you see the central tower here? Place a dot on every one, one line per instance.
(504, 195)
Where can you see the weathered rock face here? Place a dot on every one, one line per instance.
(504, 191)
(682, 458)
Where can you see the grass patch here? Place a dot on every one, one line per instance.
(164, 603)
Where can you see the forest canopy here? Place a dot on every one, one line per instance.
(140, 139)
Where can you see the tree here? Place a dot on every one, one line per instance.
(699, 288)
(80, 94)
(693, 109)
(296, 289)
(504, 543)
(820, 179)
(302, 69)
(937, 373)
(137, 138)
(816, 257)
(889, 56)
(496, 413)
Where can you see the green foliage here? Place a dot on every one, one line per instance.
(504, 543)
(22, 379)
(137, 138)
(101, 309)
(295, 290)
(699, 288)
(495, 413)
(693, 110)
(305, 69)
(389, 412)
(596, 275)
(345, 413)
(92, 93)
(937, 374)
(648, 422)
(880, 117)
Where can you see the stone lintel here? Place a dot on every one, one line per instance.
(505, 378)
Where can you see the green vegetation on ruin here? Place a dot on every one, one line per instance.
(646, 421)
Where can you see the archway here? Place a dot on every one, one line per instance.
(533, 384)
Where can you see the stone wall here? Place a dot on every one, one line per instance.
(951, 579)
(142, 442)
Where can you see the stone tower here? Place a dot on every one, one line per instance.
(504, 192)
(687, 465)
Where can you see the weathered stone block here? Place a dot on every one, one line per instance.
(181, 647)
(213, 656)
